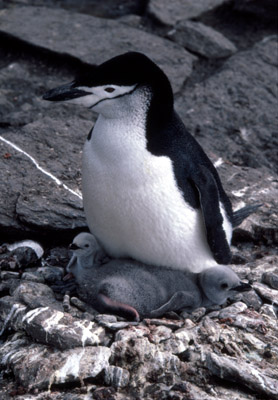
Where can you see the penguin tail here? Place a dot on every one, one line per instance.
(240, 215)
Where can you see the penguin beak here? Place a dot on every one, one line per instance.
(65, 93)
(73, 246)
(242, 287)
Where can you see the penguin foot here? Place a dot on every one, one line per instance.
(63, 287)
(105, 304)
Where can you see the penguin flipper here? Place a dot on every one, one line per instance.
(177, 302)
(209, 202)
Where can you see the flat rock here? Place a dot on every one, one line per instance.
(201, 39)
(271, 279)
(232, 311)
(234, 370)
(67, 33)
(48, 197)
(266, 293)
(55, 366)
(61, 330)
(169, 13)
(233, 112)
(35, 294)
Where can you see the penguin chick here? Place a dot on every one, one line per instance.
(86, 252)
(135, 290)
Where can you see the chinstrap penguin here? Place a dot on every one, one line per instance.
(134, 290)
(149, 191)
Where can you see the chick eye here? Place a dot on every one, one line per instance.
(86, 245)
(109, 89)
(224, 286)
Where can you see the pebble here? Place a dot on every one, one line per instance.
(270, 279)
(232, 311)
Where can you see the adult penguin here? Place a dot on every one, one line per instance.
(149, 191)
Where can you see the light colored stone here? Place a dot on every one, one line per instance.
(266, 293)
(116, 376)
(61, 330)
(201, 39)
(232, 311)
(55, 367)
(233, 370)
(169, 13)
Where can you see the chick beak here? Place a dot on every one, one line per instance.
(242, 287)
(73, 246)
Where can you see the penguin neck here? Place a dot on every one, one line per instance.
(134, 125)
(117, 136)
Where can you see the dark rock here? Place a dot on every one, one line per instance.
(51, 274)
(270, 279)
(63, 33)
(24, 257)
(170, 13)
(83, 306)
(41, 201)
(234, 370)
(35, 294)
(32, 276)
(55, 366)
(233, 112)
(11, 314)
(104, 393)
(58, 257)
(28, 104)
(201, 39)
(265, 292)
(266, 9)
(61, 330)
(251, 299)
(5, 275)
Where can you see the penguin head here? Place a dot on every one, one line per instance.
(219, 282)
(114, 82)
(84, 245)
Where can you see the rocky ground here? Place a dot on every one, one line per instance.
(221, 58)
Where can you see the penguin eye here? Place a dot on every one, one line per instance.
(224, 286)
(86, 245)
(109, 89)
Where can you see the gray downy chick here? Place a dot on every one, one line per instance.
(134, 290)
(86, 252)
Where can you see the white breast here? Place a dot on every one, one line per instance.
(132, 202)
